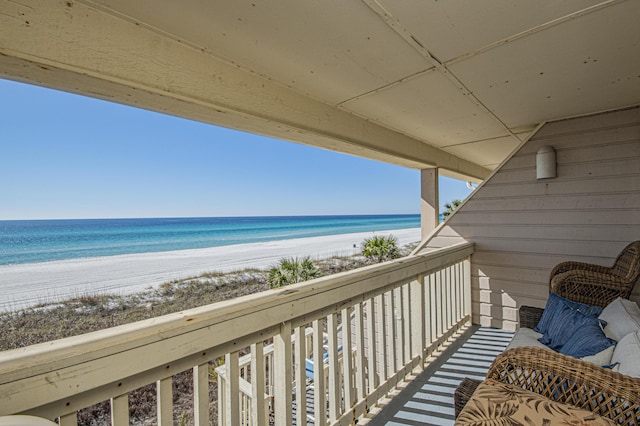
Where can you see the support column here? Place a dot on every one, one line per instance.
(429, 206)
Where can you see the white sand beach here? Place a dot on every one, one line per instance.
(30, 284)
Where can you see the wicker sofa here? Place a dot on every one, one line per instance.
(563, 378)
(567, 380)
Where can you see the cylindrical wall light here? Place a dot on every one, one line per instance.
(546, 163)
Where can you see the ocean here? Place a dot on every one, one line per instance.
(33, 241)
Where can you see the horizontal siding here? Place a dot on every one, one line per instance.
(568, 186)
(560, 232)
(549, 203)
(578, 171)
(522, 227)
(592, 123)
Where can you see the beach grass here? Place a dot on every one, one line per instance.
(91, 312)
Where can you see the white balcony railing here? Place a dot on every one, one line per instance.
(387, 318)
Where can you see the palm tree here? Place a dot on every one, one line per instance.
(379, 248)
(291, 271)
(450, 207)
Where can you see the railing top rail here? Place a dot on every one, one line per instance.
(155, 342)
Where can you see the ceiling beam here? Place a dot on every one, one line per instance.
(73, 46)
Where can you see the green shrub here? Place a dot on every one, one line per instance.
(379, 248)
(450, 207)
(291, 271)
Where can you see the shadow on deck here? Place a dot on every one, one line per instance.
(428, 399)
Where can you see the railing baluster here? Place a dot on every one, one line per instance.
(283, 376)
(418, 319)
(258, 384)
(428, 309)
(372, 373)
(466, 266)
(200, 394)
(381, 327)
(445, 301)
(451, 297)
(70, 419)
(164, 393)
(391, 340)
(439, 307)
(300, 372)
(222, 397)
(360, 349)
(347, 364)
(457, 292)
(407, 323)
(319, 398)
(232, 388)
(120, 410)
(334, 369)
(460, 290)
(400, 323)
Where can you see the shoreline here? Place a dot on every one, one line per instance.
(30, 284)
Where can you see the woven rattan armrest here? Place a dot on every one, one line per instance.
(530, 316)
(592, 288)
(570, 381)
(463, 393)
(563, 267)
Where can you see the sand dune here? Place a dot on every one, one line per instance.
(30, 284)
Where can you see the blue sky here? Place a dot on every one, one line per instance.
(68, 156)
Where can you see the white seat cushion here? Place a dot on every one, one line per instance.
(526, 337)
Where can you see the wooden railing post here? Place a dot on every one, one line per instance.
(200, 395)
(120, 410)
(466, 267)
(381, 327)
(258, 384)
(372, 373)
(360, 349)
(418, 340)
(406, 314)
(283, 378)
(319, 397)
(232, 389)
(334, 390)
(301, 375)
(164, 390)
(69, 419)
(347, 364)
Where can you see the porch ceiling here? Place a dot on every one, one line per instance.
(419, 83)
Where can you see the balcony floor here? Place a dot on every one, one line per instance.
(428, 399)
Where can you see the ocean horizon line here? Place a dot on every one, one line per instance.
(216, 217)
(36, 241)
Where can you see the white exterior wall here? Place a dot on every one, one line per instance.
(522, 227)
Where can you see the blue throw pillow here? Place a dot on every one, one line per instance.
(556, 304)
(587, 340)
(566, 322)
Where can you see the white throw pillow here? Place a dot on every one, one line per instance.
(622, 317)
(627, 354)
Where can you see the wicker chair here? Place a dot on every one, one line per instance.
(592, 284)
(586, 282)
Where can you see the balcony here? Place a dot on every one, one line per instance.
(556, 75)
(399, 312)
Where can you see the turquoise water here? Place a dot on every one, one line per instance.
(31, 241)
